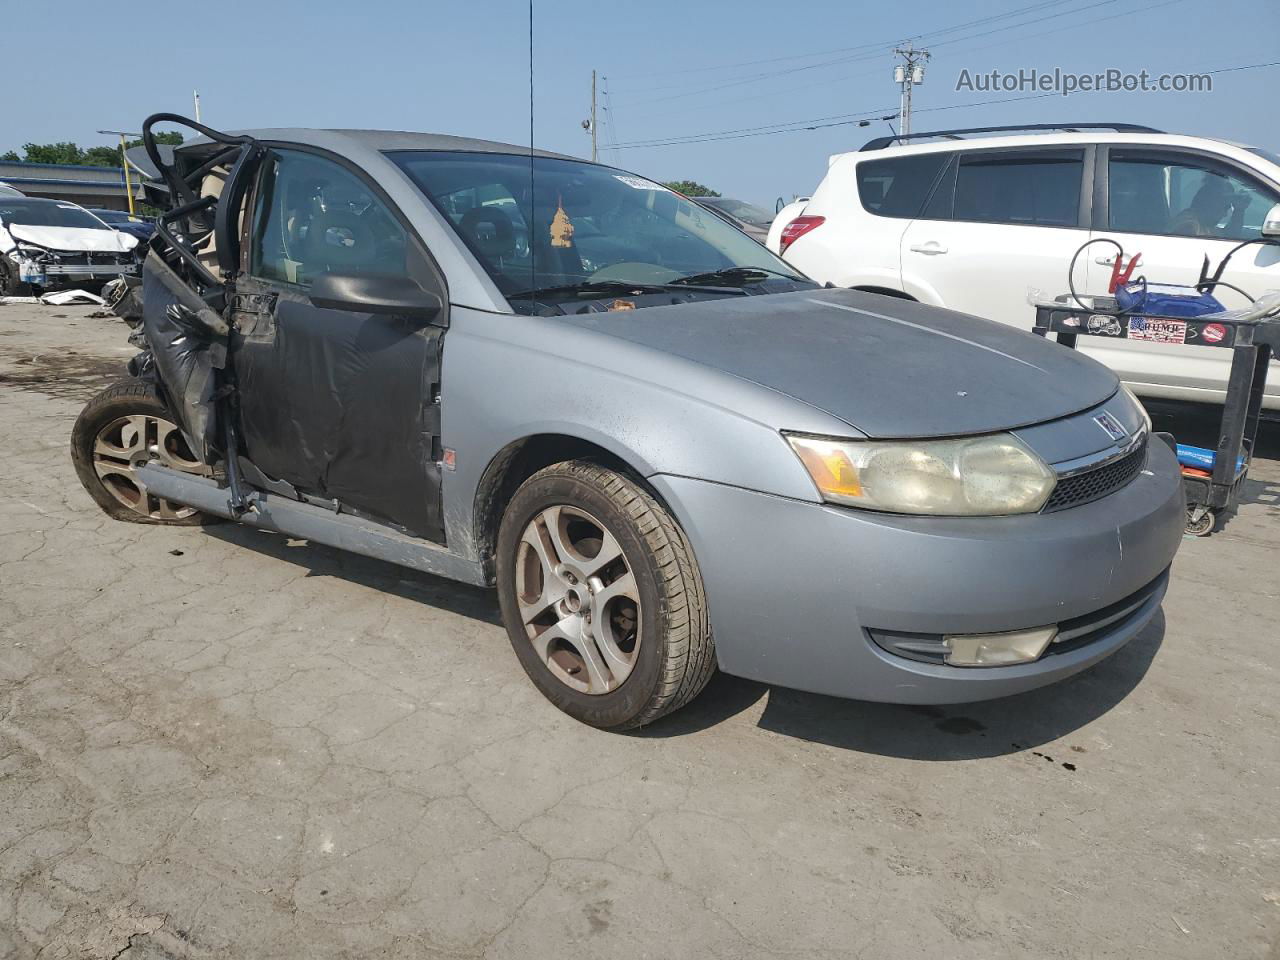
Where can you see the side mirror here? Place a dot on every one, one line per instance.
(1271, 223)
(375, 293)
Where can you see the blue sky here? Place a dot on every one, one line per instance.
(674, 69)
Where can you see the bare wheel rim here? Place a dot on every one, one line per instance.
(127, 443)
(578, 599)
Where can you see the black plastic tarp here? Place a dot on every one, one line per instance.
(341, 406)
(188, 341)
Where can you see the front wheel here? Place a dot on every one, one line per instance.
(10, 285)
(601, 597)
(122, 428)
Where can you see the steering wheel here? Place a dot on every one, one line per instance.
(490, 231)
(339, 240)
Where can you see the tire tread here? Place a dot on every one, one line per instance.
(690, 657)
(130, 393)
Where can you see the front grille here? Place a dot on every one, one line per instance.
(1094, 484)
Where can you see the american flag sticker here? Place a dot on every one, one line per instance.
(1156, 330)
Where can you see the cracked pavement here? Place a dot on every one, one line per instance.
(216, 742)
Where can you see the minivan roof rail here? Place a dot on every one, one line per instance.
(879, 143)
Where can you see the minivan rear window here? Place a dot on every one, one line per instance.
(898, 186)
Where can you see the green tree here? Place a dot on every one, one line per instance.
(68, 152)
(102, 157)
(172, 137)
(691, 188)
(63, 152)
(10, 156)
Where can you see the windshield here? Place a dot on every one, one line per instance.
(582, 225)
(746, 212)
(47, 213)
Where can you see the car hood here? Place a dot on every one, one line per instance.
(89, 239)
(889, 367)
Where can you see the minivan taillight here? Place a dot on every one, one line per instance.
(796, 229)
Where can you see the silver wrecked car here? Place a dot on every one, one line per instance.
(667, 449)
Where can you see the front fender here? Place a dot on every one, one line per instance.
(507, 377)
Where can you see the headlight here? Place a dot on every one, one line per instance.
(971, 476)
(1142, 411)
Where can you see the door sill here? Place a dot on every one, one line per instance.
(269, 511)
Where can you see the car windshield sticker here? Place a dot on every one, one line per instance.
(561, 227)
(1156, 330)
(638, 183)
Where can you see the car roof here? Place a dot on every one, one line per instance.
(1043, 140)
(33, 201)
(342, 140)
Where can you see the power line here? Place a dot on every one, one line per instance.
(666, 113)
(872, 51)
(1059, 29)
(880, 44)
(613, 127)
(799, 126)
(793, 126)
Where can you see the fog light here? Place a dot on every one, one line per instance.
(997, 649)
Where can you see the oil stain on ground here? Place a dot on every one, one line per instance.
(67, 375)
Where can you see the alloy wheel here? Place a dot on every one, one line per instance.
(130, 442)
(578, 599)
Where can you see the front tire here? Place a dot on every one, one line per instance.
(10, 285)
(121, 428)
(601, 597)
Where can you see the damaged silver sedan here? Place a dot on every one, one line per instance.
(667, 449)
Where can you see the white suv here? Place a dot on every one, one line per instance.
(977, 223)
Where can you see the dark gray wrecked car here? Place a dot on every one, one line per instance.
(642, 427)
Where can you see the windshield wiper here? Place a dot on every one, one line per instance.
(616, 286)
(731, 274)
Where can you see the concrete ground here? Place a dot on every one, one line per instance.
(219, 743)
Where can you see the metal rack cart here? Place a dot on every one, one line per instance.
(1252, 335)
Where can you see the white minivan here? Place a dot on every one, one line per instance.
(979, 221)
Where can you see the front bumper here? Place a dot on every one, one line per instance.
(70, 269)
(795, 588)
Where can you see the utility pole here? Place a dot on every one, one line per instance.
(907, 75)
(124, 161)
(590, 125)
(195, 95)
